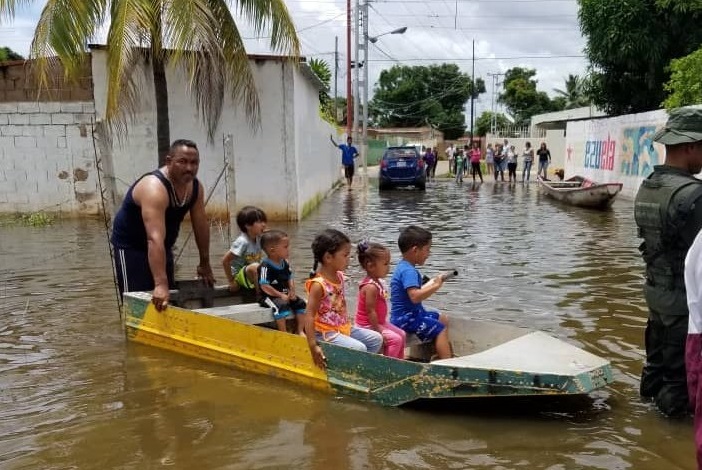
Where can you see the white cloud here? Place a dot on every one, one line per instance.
(539, 34)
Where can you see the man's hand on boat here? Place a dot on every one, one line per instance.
(160, 297)
(204, 272)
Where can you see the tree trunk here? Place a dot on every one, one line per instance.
(163, 130)
(163, 126)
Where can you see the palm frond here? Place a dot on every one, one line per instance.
(9, 7)
(129, 21)
(274, 15)
(231, 71)
(62, 33)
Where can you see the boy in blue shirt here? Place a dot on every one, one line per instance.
(407, 292)
(348, 154)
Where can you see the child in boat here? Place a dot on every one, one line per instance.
(372, 307)
(326, 318)
(241, 261)
(275, 279)
(407, 292)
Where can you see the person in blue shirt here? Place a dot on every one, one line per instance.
(407, 292)
(348, 154)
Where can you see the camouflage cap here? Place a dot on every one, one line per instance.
(684, 126)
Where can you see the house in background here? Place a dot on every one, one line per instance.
(50, 141)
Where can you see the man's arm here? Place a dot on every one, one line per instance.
(331, 137)
(201, 228)
(152, 197)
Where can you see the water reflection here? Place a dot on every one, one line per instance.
(75, 394)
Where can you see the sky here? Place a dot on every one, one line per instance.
(539, 34)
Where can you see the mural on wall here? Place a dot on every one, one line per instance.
(618, 149)
(599, 154)
(638, 154)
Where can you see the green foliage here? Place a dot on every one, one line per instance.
(630, 44)
(574, 95)
(521, 97)
(36, 219)
(685, 85)
(340, 103)
(424, 95)
(484, 122)
(326, 105)
(8, 54)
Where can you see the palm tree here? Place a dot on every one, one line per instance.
(574, 93)
(201, 36)
(326, 105)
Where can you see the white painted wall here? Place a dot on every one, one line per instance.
(279, 167)
(47, 158)
(315, 153)
(555, 141)
(629, 152)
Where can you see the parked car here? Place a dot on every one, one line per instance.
(402, 166)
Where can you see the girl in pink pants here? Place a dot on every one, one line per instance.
(372, 309)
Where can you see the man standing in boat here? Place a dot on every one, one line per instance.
(668, 213)
(147, 224)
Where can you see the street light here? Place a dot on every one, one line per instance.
(402, 30)
(372, 39)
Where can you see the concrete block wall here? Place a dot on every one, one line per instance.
(18, 83)
(47, 157)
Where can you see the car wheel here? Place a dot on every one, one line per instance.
(421, 186)
(383, 186)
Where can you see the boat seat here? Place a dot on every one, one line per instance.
(251, 313)
(412, 340)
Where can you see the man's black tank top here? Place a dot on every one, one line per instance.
(128, 231)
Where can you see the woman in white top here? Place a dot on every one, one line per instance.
(512, 164)
(528, 154)
(489, 159)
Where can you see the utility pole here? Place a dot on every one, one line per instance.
(366, 66)
(493, 118)
(356, 73)
(455, 18)
(472, 96)
(349, 111)
(336, 79)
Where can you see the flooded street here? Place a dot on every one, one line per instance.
(75, 394)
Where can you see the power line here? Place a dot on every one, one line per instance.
(445, 59)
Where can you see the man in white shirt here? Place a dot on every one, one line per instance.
(450, 152)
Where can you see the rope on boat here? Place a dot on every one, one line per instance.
(105, 217)
(209, 196)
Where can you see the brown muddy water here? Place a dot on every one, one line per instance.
(75, 394)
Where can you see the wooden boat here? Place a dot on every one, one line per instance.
(493, 359)
(582, 192)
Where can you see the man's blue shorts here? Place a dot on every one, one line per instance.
(134, 274)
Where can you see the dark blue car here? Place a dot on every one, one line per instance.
(402, 166)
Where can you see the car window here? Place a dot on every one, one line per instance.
(401, 153)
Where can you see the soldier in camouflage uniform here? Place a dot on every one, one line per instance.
(668, 212)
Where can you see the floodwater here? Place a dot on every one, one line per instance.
(75, 394)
